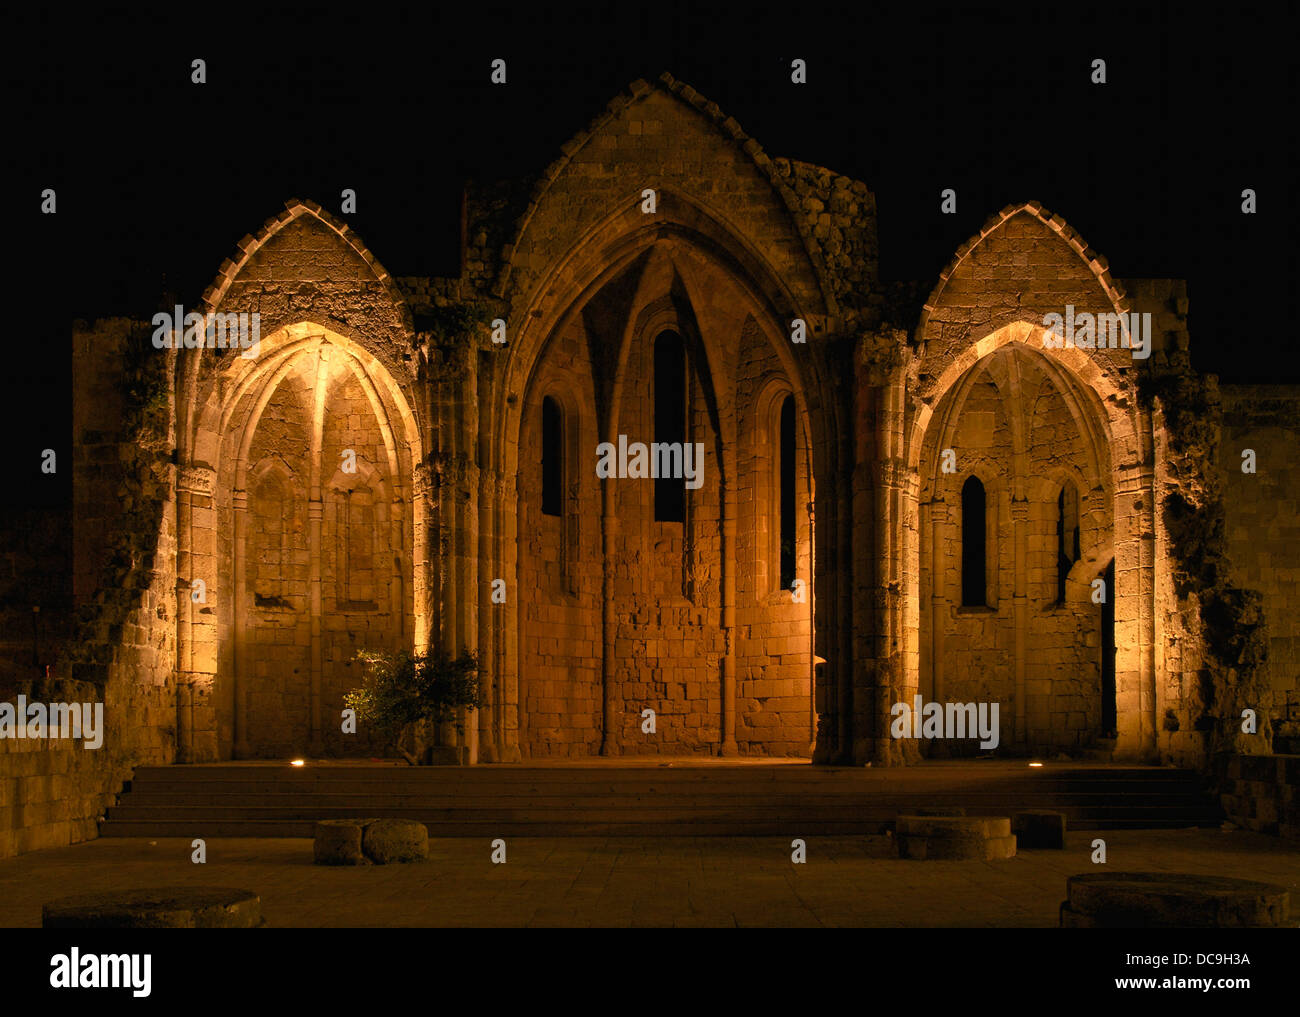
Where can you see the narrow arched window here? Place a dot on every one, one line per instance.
(670, 424)
(272, 508)
(1067, 537)
(552, 458)
(973, 537)
(354, 548)
(786, 466)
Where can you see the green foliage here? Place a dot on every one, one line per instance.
(145, 457)
(458, 320)
(1195, 515)
(403, 689)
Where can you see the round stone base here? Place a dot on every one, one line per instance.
(165, 908)
(369, 841)
(395, 840)
(1169, 900)
(955, 838)
(338, 842)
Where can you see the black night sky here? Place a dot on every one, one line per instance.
(157, 178)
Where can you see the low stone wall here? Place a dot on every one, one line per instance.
(44, 799)
(53, 790)
(1263, 793)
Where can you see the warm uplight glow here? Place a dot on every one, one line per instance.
(1035, 764)
(297, 762)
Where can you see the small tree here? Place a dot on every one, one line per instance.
(405, 697)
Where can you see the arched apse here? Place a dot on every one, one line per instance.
(665, 595)
(298, 515)
(1031, 423)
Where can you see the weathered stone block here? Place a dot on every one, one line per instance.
(955, 838)
(338, 842)
(955, 826)
(1172, 900)
(166, 908)
(395, 840)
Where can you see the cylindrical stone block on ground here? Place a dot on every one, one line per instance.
(1172, 900)
(338, 842)
(165, 908)
(395, 840)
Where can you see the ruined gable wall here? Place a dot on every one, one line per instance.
(653, 138)
(305, 271)
(1017, 270)
(52, 791)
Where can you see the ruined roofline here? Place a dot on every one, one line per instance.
(859, 186)
(295, 208)
(1097, 264)
(728, 125)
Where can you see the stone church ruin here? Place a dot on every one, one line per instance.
(899, 497)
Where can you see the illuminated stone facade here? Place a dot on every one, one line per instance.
(822, 571)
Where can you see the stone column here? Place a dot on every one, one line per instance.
(467, 578)
(892, 488)
(1020, 519)
(1134, 598)
(423, 581)
(727, 473)
(938, 530)
(315, 517)
(471, 480)
(239, 615)
(455, 467)
(814, 661)
(196, 662)
(609, 529)
(491, 717)
(1146, 594)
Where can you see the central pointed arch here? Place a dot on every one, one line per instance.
(686, 272)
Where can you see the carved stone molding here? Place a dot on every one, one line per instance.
(195, 479)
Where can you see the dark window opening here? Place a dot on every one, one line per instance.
(1108, 710)
(973, 562)
(670, 422)
(552, 458)
(1063, 561)
(787, 493)
(1067, 538)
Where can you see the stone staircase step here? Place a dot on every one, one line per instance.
(267, 800)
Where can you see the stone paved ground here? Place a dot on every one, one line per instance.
(623, 881)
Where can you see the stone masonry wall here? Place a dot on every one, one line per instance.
(1262, 793)
(560, 568)
(52, 791)
(1062, 685)
(773, 654)
(668, 643)
(1263, 529)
